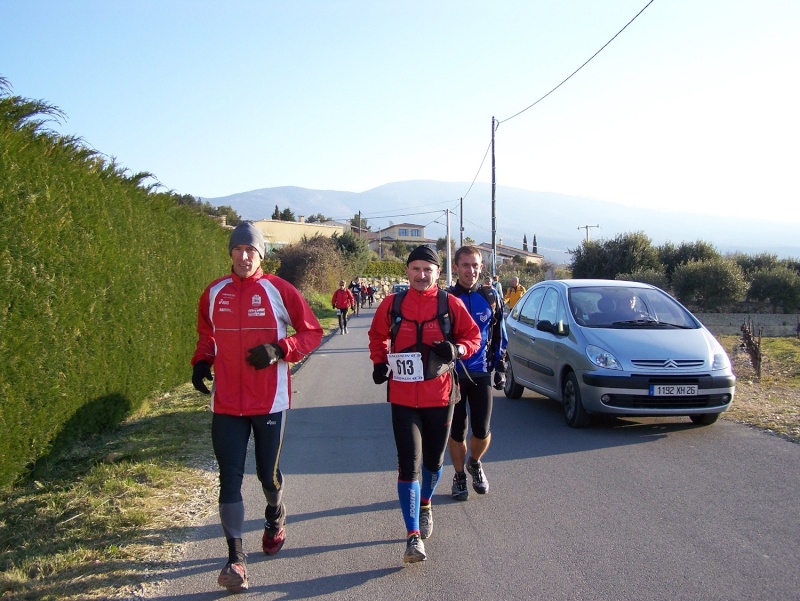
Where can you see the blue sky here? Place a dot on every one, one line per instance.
(694, 106)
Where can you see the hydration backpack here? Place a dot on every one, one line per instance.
(434, 367)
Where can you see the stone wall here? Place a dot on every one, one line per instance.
(730, 324)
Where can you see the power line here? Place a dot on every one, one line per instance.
(480, 227)
(578, 69)
(368, 217)
(401, 215)
(485, 154)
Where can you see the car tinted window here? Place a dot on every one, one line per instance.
(664, 308)
(527, 313)
(598, 306)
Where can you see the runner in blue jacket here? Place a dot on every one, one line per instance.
(486, 309)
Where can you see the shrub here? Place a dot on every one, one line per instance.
(354, 251)
(387, 268)
(312, 264)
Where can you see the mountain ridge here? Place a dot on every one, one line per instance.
(560, 222)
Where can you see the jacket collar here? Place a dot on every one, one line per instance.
(459, 289)
(259, 273)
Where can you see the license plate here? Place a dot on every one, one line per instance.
(673, 390)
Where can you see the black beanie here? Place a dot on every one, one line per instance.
(247, 233)
(424, 253)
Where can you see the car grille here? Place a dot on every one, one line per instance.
(631, 401)
(668, 363)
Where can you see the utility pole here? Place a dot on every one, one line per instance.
(448, 254)
(359, 223)
(494, 214)
(461, 221)
(586, 227)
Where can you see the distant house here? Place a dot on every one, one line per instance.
(278, 234)
(506, 254)
(408, 233)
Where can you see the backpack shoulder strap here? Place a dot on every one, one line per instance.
(443, 314)
(490, 294)
(491, 297)
(395, 314)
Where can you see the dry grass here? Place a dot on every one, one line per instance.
(99, 523)
(94, 523)
(771, 403)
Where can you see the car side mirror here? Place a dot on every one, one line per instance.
(558, 329)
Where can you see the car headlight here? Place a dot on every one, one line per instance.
(602, 358)
(720, 361)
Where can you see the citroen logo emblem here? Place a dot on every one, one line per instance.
(670, 364)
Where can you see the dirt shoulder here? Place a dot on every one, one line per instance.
(771, 402)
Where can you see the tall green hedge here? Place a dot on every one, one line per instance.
(99, 282)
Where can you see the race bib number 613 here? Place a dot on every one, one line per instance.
(406, 367)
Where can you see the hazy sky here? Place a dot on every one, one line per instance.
(694, 106)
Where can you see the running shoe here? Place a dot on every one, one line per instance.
(425, 521)
(274, 533)
(459, 491)
(479, 481)
(234, 575)
(415, 550)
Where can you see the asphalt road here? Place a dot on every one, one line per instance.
(651, 509)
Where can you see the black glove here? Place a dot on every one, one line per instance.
(501, 366)
(499, 379)
(446, 350)
(264, 355)
(380, 373)
(201, 371)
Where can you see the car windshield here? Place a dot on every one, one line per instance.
(627, 307)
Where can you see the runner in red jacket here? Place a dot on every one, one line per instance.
(243, 326)
(421, 401)
(342, 300)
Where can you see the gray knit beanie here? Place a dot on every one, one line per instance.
(247, 233)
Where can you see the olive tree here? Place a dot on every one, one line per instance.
(751, 264)
(655, 277)
(589, 260)
(709, 284)
(671, 256)
(606, 259)
(778, 285)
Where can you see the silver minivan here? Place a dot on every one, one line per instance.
(615, 347)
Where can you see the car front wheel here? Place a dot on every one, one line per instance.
(511, 389)
(574, 412)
